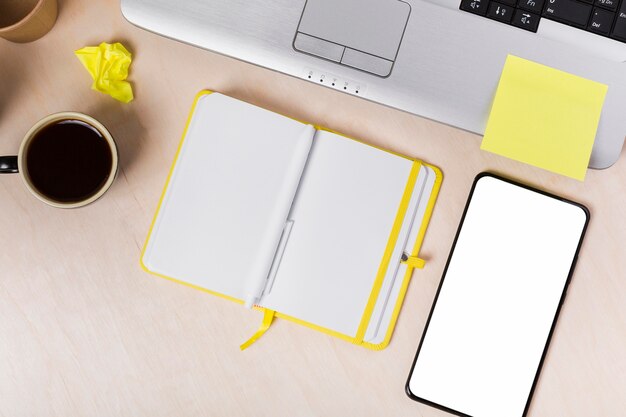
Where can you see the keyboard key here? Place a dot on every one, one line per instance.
(475, 6)
(609, 4)
(500, 12)
(601, 21)
(619, 30)
(525, 20)
(534, 6)
(509, 2)
(568, 11)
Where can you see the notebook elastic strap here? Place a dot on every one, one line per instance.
(413, 262)
(391, 244)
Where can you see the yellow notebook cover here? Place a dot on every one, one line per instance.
(330, 227)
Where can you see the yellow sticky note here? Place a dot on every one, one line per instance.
(108, 65)
(544, 117)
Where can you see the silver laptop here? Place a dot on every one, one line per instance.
(439, 59)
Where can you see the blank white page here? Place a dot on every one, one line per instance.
(498, 300)
(229, 196)
(343, 215)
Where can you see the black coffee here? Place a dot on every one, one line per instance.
(68, 161)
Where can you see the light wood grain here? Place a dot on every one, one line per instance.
(84, 331)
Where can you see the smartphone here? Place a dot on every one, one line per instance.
(498, 301)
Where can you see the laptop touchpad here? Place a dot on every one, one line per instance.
(363, 34)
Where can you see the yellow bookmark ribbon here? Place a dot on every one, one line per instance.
(414, 262)
(268, 317)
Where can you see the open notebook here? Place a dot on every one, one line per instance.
(296, 220)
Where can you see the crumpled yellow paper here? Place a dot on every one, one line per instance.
(108, 65)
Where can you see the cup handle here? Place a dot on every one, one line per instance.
(8, 164)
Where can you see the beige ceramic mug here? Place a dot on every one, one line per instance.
(66, 160)
(26, 20)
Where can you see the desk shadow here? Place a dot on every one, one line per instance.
(122, 121)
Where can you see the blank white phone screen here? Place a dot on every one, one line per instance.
(498, 300)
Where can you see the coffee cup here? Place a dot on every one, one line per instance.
(26, 20)
(66, 160)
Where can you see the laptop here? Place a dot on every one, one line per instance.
(439, 59)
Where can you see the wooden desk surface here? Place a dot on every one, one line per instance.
(84, 331)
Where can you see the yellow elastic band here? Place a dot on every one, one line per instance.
(391, 243)
(268, 317)
(414, 262)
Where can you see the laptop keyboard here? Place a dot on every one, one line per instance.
(602, 17)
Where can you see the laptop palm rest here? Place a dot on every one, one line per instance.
(363, 34)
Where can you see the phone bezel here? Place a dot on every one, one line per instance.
(558, 310)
